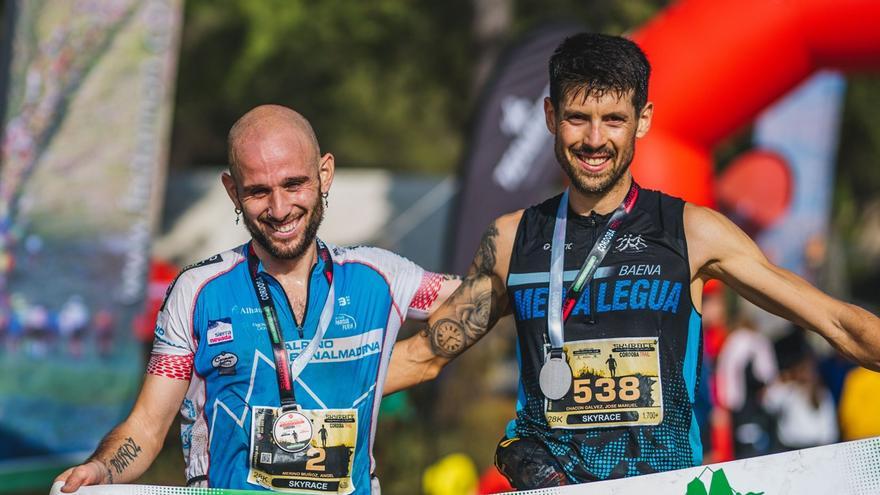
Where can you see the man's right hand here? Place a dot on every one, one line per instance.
(93, 472)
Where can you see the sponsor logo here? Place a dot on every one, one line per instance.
(630, 243)
(261, 289)
(344, 301)
(225, 363)
(345, 322)
(245, 310)
(220, 331)
(548, 246)
(606, 239)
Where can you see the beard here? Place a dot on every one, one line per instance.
(595, 183)
(282, 251)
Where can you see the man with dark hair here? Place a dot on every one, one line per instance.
(609, 268)
(258, 345)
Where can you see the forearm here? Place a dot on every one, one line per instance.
(127, 452)
(852, 330)
(861, 331)
(129, 449)
(412, 363)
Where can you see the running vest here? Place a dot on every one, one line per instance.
(633, 342)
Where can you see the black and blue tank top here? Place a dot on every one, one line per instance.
(633, 342)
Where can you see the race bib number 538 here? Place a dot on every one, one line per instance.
(615, 382)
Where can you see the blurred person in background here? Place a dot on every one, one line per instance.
(713, 420)
(323, 316)
(73, 320)
(104, 326)
(801, 406)
(859, 405)
(746, 366)
(638, 260)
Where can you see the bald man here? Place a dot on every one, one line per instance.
(260, 346)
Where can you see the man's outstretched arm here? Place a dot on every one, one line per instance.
(464, 318)
(129, 449)
(719, 249)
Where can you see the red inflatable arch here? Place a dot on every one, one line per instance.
(718, 63)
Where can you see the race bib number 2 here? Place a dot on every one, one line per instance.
(615, 382)
(319, 462)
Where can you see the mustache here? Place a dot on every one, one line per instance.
(585, 149)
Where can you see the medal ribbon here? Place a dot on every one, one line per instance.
(285, 372)
(559, 309)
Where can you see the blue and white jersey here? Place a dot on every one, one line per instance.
(211, 321)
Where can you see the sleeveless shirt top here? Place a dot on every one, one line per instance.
(633, 343)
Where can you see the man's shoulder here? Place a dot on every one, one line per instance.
(195, 275)
(653, 199)
(375, 257)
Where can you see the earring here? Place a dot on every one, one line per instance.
(324, 197)
(237, 215)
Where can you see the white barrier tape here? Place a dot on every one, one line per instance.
(851, 468)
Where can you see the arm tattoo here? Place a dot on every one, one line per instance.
(476, 304)
(484, 260)
(125, 455)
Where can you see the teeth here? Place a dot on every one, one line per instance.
(285, 228)
(595, 161)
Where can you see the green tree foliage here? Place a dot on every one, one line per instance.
(384, 83)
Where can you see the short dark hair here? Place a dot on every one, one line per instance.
(595, 64)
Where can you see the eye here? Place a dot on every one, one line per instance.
(576, 119)
(295, 184)
(615, 120)
(256, 192)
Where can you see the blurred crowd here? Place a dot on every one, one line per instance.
(765, 392)
(37, 330)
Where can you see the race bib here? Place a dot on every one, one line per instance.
(303, 451)
(615, 382)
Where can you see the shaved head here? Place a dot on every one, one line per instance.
(271, 122)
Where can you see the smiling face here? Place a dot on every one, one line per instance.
(595, 137)
(277, 181)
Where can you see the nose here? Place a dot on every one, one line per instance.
(594, 137)
(279, 205)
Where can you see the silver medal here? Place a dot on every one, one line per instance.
(555, 378)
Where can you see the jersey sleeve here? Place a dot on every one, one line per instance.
(404, 277)
(173, 345)
(426, 295)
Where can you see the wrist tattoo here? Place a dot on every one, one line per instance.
(125, 455)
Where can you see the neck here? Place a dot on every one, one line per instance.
(280, 268)
(601, 203)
